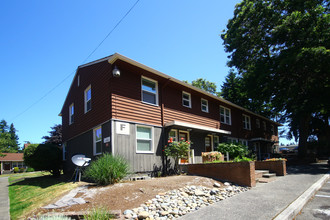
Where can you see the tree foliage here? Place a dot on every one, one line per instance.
(8, 138)
(55, 136)
(44, 157)
(280, 48)
(205, 85)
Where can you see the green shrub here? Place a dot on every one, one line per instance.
(21, 170)
(99, 214)
(29, 169)
(234, 150)
(16, 170)
(44, 157)
(242, 159)
(107, 169)
(177, 150)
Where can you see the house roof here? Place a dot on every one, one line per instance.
(112, 59)
(12, 157)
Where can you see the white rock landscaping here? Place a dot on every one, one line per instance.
(176, 203)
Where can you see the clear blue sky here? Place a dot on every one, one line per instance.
(43, 42)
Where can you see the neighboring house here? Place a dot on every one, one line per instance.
(11, 160)
(120, 106)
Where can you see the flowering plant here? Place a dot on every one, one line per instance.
(275, 159)
(211, 156)
(177, 150)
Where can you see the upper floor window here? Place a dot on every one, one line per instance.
(272, 130)
(264, 125)
(144, 139)
(257, 123)
(225, 115)
(186, 99)
(71, 113)
(246, 122)
(149, 91)
(97, 141)
(205, 105)
(88, 99)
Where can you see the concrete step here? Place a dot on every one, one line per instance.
(269, 175)
(259, 173)
(266, 180)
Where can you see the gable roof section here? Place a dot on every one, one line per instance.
(116, 56)
(12, 157)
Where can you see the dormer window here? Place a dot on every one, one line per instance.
(149, 90)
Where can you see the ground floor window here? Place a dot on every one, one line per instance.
(144, 139)
(97, 140)
(173, 134)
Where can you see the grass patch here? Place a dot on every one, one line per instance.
(28, 191)
(100, 213)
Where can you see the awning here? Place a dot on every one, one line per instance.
(263, 139)
(194, 126)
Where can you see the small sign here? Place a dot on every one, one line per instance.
(122, 128)
(106, 140)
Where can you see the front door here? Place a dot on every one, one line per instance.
(6, 166)
(208, 144)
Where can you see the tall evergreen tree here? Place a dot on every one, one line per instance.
(281, 48)
(8, 138)
(55, 136)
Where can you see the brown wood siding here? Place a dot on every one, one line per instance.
(126, 98)
(98, 76)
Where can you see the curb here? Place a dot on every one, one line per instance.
(296, 206)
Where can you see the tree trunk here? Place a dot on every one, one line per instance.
(303, 135)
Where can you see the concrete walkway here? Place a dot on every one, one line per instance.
(4, 199)
(265, 201)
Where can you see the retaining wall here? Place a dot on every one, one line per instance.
(242, 173)
(278, 167)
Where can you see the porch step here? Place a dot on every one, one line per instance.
(260, 173)
(263, 176)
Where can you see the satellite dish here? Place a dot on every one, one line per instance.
(80, 160)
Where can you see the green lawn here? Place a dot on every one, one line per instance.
(29, 191)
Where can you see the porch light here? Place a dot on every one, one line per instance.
(116, 72)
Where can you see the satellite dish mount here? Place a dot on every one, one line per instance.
(80, 161)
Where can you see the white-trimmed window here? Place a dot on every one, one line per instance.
(272, 130)
(71, 113)
(205, 105)
(225, 115)
(88, 99)
(264, 125)
(243, 142)
(246, 122)
(97, 140)
(149, 90)
(257, 123)
(186, 99)
(173, 134)
(144, 143)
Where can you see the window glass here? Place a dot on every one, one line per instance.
(144, 139)
(186, 99)
(71, 113)
(98, 140)
(88, 99)
(246, 122)
(205, 105)
(172, 134)
(225, 115)
(149, 91)
(258, 123)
